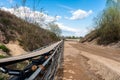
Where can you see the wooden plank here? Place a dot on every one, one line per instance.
(29, 55)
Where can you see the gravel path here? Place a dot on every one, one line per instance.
(89, 62)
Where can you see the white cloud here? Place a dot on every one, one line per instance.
(66, 28)
(79, 14)
(58, 17)
(74, 31)
(32, 16)
(43, 19)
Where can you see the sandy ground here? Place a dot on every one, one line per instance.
(15, 49)
(89, 62)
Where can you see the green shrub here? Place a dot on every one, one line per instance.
(4, 48)
(2, 78)
(5, 21)
(1, 56)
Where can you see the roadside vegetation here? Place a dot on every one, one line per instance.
(72, 37)
(29, 36)
(107, 25)
(1, 56)
(55, 29)
(4, 48)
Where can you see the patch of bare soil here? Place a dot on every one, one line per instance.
(90, 62)
(15, 49)
(103, 61)
(75, 66)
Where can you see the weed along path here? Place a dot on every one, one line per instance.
(89, 62)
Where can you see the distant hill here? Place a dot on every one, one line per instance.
(27, 35)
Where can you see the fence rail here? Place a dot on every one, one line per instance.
(43, 66)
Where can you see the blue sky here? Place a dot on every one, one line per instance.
(76, 16)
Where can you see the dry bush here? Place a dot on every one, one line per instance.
(30, 36)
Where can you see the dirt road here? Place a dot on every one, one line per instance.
(90, 62)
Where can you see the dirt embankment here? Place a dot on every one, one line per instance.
(90, 62)
(15, 49)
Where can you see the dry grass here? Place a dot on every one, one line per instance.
(30, 36)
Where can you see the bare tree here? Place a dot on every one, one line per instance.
(23, 4)
(35, 5)
(55, 29)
